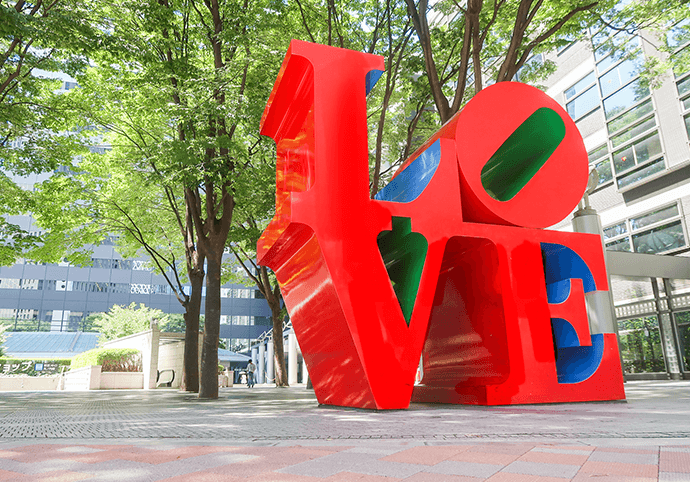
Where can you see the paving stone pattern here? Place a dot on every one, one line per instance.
(269, 434)
(498, 461)
(653, 410)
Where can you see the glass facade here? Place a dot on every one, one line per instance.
(634, 149)
(640, 148)
(60, 297)
(640, 344)
(656, 232)
(653, 325)
(683, 320)
(584, 103)
(683, 85)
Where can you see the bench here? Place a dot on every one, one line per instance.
(164, 378)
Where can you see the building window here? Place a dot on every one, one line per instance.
(679, 34)
(141, 265)
(561, 50)
(242, 320)
(119, 287)
(600, 160)
(109, 263)
(611, 49)
(636, 153)
(633, 134)
(683, 86)
(30, 284)
(236, 293)
(625, 98)
(618, 76)
(655, 232)
(7, 314)
(631, 116)
(633, 151)
(161, 290)
(239, 344)
(63, 285)
(640, 344)
(262, 321)
(579, 86)
(633, 131)
(683, 321)
(584, 103)
(141, 289)
(636, 175)
(9, 283)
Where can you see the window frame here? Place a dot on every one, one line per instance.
(630, 232)
(598, 160)
(636, 51)
(682, 99)
(631, 144)
(592, 85)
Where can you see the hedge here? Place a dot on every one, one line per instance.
(110, 359)
(27, 366)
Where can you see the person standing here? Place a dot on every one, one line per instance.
(251, 368)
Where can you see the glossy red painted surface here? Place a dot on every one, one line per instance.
(481, 316)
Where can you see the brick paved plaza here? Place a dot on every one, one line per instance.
(269, 434)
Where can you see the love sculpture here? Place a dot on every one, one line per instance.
(450, 260)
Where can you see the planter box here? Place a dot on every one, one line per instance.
(29, 383)
(91, 378)
(122, 380)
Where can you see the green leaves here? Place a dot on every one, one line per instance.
(127, 320)
(110, 359)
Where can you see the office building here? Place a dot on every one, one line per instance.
(637, 137)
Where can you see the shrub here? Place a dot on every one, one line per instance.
(110, 359)
(221, 369)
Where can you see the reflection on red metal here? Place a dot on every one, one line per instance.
(449, 262)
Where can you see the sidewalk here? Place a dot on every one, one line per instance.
(269, 434)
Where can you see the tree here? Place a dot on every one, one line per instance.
(175, 324)
(464, 44)
(127, 320)
(257, 189)
(14, 241)
(203, 65)
(51, 36)
(96, 200)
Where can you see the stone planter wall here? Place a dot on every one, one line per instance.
(29, 383)
(122, 380)
(91, 378)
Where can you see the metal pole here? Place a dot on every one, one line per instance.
(292, 358)
(261, 364)
(270, 377)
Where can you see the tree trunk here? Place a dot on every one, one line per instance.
(190, 377)
(209, 355)
(278, 351)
